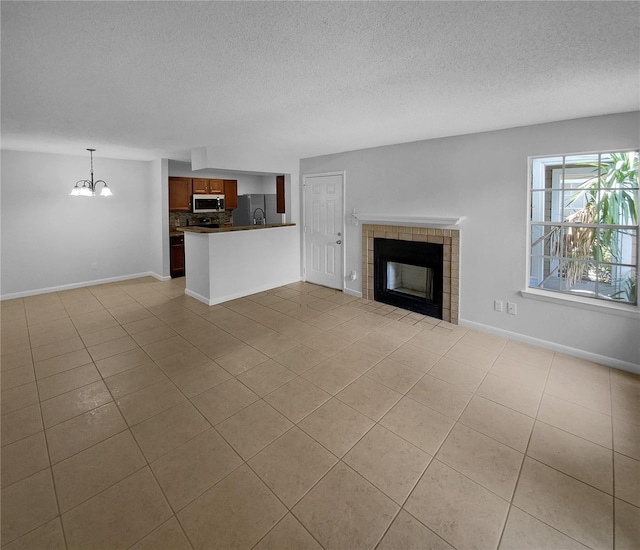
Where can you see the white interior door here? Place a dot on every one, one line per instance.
(323, 229)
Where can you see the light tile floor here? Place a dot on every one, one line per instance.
(134, 416)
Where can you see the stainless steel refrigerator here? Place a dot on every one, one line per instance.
(249, 210)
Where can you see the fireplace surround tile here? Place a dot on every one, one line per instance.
(449, 238)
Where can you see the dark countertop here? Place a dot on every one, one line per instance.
(196, 229)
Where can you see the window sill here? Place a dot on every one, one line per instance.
(601, 306)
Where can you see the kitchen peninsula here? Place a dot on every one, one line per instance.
(231, 262)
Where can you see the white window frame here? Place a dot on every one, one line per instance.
(554, 297)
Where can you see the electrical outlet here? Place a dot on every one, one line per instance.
(512, 309)
(497, 305)
(94, 265)
(353, 276)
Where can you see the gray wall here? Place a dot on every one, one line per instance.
(158, 203)
(51, 239)
(484, 178)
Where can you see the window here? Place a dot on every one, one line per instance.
(584, 225)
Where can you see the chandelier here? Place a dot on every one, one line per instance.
(88, 188)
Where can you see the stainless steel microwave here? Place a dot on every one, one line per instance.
(207, 203)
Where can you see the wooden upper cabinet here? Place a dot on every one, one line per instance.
(280, 204)
(230, 194)
(180, 194)
(180, 190)
(216, 187)
(203, 186)
(200, 186)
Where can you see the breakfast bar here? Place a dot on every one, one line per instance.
(225, 263)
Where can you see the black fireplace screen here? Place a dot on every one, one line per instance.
(408, 274)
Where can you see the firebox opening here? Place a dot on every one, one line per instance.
(410, 279)
(408, 274)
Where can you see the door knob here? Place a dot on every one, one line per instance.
(338, 242)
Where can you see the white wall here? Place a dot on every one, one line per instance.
(484, 177)
(253, 261)
(158, 204)
(256, 161)
(50, 239)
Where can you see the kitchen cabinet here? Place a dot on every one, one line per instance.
(176, 245)
(179, 194)
(280, 205)
(216, 187)
(202, 186)
(230, 194)
(180, 190)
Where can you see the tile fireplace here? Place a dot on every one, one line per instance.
(414, 268)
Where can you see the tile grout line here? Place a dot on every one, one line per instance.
(524, 456)
(147, 463)
(288, 510)
(50, 466)
(433, 457)
(613, 462)
(128, 429)
(367, 371)
(53, 478)
(335, 396)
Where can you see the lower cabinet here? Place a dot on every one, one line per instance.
(176, 245)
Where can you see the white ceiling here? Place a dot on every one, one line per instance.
(156, 79)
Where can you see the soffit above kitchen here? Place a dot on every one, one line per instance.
(147, 80)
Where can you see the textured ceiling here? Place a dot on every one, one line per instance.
(156, 79)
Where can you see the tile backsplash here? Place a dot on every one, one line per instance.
(180, 219)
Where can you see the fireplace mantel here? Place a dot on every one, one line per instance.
(408, 221)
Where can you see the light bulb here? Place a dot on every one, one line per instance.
(106, 192)
(75, 191)
(85, 191)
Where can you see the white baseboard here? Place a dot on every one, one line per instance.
(236, 295)
(196, 296)
(160, 277)
(594, 357)
(351, 292)
(82, 284)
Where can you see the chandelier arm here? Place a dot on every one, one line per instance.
(89, 186)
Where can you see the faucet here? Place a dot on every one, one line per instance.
(264, 217)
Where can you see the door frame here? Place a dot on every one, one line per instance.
(343, 174)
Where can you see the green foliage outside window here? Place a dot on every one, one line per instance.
(610, 200)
